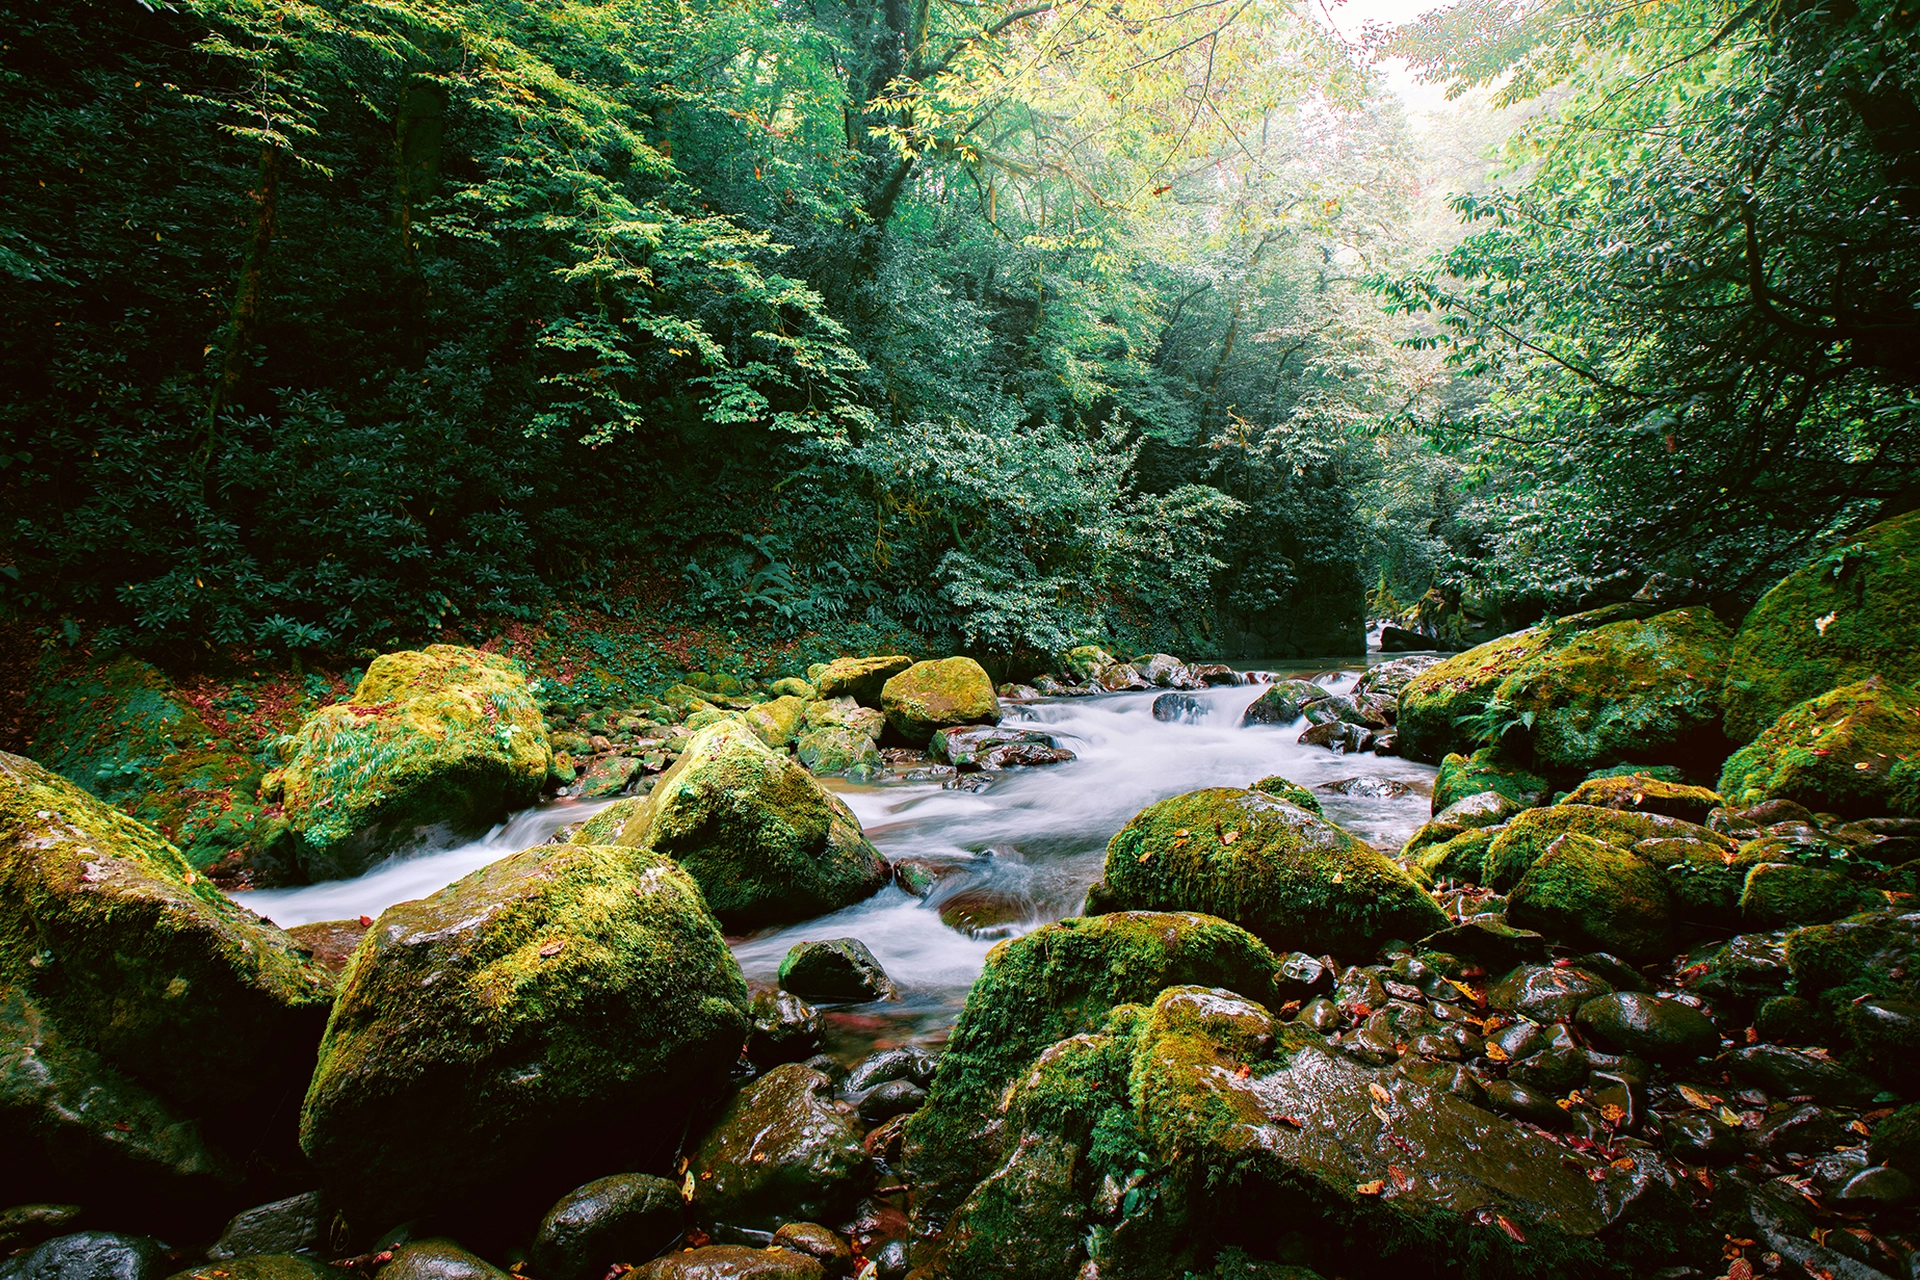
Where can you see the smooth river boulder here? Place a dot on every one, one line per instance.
(766, 842)
(1290, 877)
(444, 737)
(1854, 751)
(860, 679)
(783, 1151)
(557, 1013)
(939, 695)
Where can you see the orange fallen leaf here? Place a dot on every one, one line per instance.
(1507, 1226)
(551, 949)
(1373, 1188)
(1496, 1054)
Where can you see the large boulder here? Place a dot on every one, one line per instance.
(778, 722)
(845, 713)
(837, 749)
(860, 679)
(440, 738)
(1388, 679)
(132, 955)
(1056, 982)
(1645, 794)
(560, 1012)
(1526, 837)
(936, 695)
(1854, 751)
(783, 1151)
(1290, 877)
(1592, 895)
(765, 841)
(1847, 616)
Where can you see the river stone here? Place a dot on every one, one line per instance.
(1492, 943)
(765, 841)
(329, 943)
(1295, 880)
(1778, 894)
(1787, 1073)
(779, 721)
(24, 1225)
(909, 1062)
(995, 747)
(1886, 1040)
(1854, 751)
(1282, 702)
(131, 955)
(437, 1259)
(837, 749)
(555, 1011)
(1337, 735)
(938, 695)
(1389, 678)
(839, 969)
(1546, 993)
(627, 1218)
(1462, 776)
(845, 713)
(1210, 674)
(441, 737)
(785, 1029)
(731, 1262)
(264, 1266)
(1527, 836)
(782, 1152)
(861, 679)
(1292, 792)
(606, 776)
(1588, 894)
(987, 910)
(1644, 794)
(1084, 663)
(1482, 809)
(284, 1226)
(894, 1098)
(1651, 1026)
(89, 1255)
(1174, 708)
(1513, 1098)
(816, 1242)
(1876, 1186)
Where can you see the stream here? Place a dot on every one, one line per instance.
(1022, 848)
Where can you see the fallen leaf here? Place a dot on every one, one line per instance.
(1613, 1113)
(1623, 1165)
(1384, 1117)
(1740, 1269)
(366, 922)
(1339, 877)
(1859, 1127)
(1401, 1178)
(1507, 1226)
(1496, 1054)
(551, 949)
(1294, 1121)
(1379, 1091)
(1243, 1072)
(1704, 1101)
(1229, 837)
(1373, 1188)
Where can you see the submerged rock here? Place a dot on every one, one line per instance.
(627, 1218)
(938, 695)
(1292, 878)
(558, 1010)
(766, 843)
(782, 1152)
(1178, 708)
(444, 737)
(836, 969)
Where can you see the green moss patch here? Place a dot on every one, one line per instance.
(1463, 776)
(1854, 751)
(936, 695)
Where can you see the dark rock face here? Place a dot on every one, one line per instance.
(839, 969)
(785, 1029)
(1282, 703)
(1545, 993)
(1179, 707)
(733, 1262)
(1650, 1026)
(437, 1259)
(285, 1226)
(89, 1255)
(628, 1218)
(1401, 640)
(784, 1151)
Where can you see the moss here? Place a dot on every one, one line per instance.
(1869, 953)
(793, 687)
(1528, 834)
(837, 749)
(1292, 792)
(1854, 751)
(1705, 879)
(264, 1266)
(140, 959)
(1843, 618)
(845, 713)
(516, 1026)
(1461, 857)
(711, 716)
(1296, 881)
(1782, 894)
(1085, 662)
(440, 736)
(1588, 894)
(1463, 776)
(1059, 981)
(934, 695)
(1643, 794)
(1283, 702)
(861, 679)
(1436, 702)
(764, 840)
(1896, 1140)
(778, 722)
(780, 1152)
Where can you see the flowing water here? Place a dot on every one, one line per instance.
(1019, 851)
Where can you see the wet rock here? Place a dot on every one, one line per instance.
(1698, 1138)
(1896, 1140)
(437, 1259)
(1302, 977)
(1359, 987)
(1615, 972)
(1788, 1020)
(1644, 794)
(1292, 792)
(504, 1034)
(1366, 787)
(995, 747)
(885, 1142)
(264, 1266)
(1551, 1071)
(89, 1255)
(1121, 677)
(1650, 1026)
(816, 1242)
(627, 1218)
(1335, 708)
(861, 679)
(838, 969)
(1886, 1040)
(1282, 703)
(785, 1029)
(329, 943)
(292, 1225)
(732, 1262)
(1876, 1186)
(1527, 837)
(779, 721)
(1512, 1098)
(1401, 640)
(1482, 809)
(1294, 879)
(910, 1063)
(605, 776)
(782, 1152)
(894, 1098)
(1389, 678)
(444, 736)
(1787, 1073)
(1587, 893)
(837, 749)
(987, 911)
(1164, 671)
(1337, 735)
(845, 713)
(766, 842)
(1386, 743)
(1546, 993)
(1321, 1014)
(1215, 673)
(1805, 1130)
(1084, 662)
(1749, 968)
(1779, 894)
(24, 1225)
(1179, 708)
(937, 695)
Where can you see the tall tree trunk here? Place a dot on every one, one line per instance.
(418, 133)
(244, 323)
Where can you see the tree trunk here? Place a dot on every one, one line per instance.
(244, 323)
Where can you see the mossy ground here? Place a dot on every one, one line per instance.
(1854, 751)
(1437, 700)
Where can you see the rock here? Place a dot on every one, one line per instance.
(1854, 750)
(1048, 985)
(1546, 993)
(816, 1242)
(1788, 1074)
(1748, 969)
(995, 747)
(606, 776)
(845, 713)
(1802, 1131)
(1294, 879)
(1788, 1020)
(1292, 792)
(24, 1225)
(894, 1098)
(1337, 735)
(1527, 837)
(1387, 679)
(1121, 677)
(1211, 674)
(1845, 617)
(1164, 671)
(1463, 776)
(1650, 1026)
(785, 1029)
(1494, 944)
(1400, 640)
(937, 695)
(837, 749)
(1778, 894)
(987, 910)
(861, 679)
(1886, 1040)
(437, 1259)
(781, 1152)
(1179, 708)
(1444, 852)
(264, 1266)
(766, 843)
(1335, 707)
(910, 1063)
(291, 1225)
(329, 943)
(1522, 1102)
(444, 737)
(123, 951)
(1876, 1186)
(1896, 1140)
(1484, 809)
(1647, 795)
(731, 1262)
(89, 1255)
(1589, 894)
(839, 969)
(1302, 977)
(627, 1218)
(1365, 787)
(1085, 663)
(780, 721)
(559, 1009)
(1282, 702)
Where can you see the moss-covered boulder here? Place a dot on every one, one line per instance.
(137, 957)
(443, 737)
(765, 841)
(1644, 794)
(1592, 895)
(1292, 792)
(936, 695)
(861, 679)
(1782, 894)
(1847, 616)
(563, 1010)
(1461, 857)
(837, 749)
(793, 687)
(1854, 751)
(1290, 877)
(1058, 981)
(1437, 704)
(1085, 662)
(1462, 776)
(1282, 702)
(1525, 838)
(778, 722)
(845, 713)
